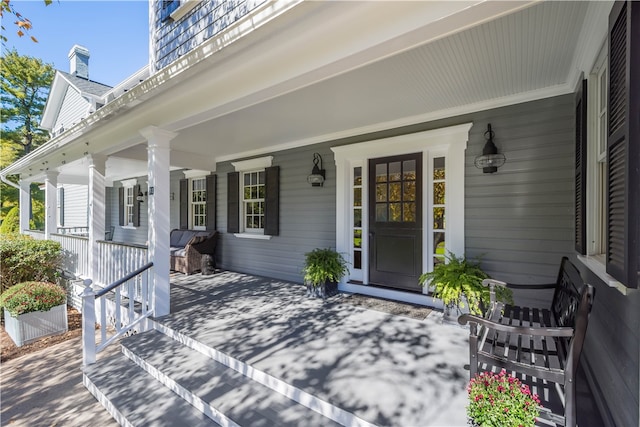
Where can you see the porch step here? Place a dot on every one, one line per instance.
(135, 398)
(222, 393)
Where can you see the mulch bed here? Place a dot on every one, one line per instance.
(397, 308)
(8, 349)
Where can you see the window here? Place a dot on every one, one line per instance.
(253, 192)
(198, 193)
(128, 205)
(199, 203)
(438, 208)
(60, 206)
(129, 200)
(357, 217)
(167, 8)
(614, 164)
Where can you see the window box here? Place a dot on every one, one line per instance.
(29, 327)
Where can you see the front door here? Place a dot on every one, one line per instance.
(395, 221)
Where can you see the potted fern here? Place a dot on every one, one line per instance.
(323, 269)
(458, 283)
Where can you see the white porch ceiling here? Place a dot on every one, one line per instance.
(297, 81)
(528, 53)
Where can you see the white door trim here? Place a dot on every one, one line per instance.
(450, 142)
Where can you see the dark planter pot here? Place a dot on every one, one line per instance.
(325, 290)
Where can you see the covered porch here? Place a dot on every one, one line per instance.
(251, 350)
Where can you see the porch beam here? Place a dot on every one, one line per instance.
(97, 207)
(25, 204)
(50, 203)
(158, 162)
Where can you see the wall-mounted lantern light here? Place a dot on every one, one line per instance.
(317, 177)
(141, 196)
(490, 160)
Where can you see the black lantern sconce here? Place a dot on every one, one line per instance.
(490, 160)
(141, 196)
(317, 177)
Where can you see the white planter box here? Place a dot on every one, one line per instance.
(30, 327)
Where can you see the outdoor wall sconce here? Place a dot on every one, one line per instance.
(317, 177)
(141, 196)
(490, 160)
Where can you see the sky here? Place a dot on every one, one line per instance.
(115, 32)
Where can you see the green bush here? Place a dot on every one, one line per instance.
(11, 221)
(23, 259)
(28, 297)
(322, 265)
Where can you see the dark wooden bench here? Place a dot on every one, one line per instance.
(538, 345)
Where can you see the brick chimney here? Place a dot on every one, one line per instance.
(79, 61)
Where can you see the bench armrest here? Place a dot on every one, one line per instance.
(519, 330)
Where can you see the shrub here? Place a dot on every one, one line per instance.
(11, 221)
(460, 277)
(497, 400)
(322, 265)
(28, 297)
(23, 259)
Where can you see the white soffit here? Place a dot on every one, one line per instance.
(519, 57)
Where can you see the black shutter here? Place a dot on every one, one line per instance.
(623, 145)
(184, 204)
(61, 203)
(272, 201)
(233, 202)
(581, 170)
(121, 205)
(136, 206)
(212, 192)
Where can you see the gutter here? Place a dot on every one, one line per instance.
(6, 181)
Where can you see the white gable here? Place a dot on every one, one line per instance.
(74, 107)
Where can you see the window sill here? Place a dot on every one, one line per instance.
(184, 8)
(128, 227)
(597, 266)
(252, 236)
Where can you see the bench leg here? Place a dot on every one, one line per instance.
(569, 396)
(473, 350)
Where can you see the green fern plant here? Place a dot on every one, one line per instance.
(322, 265)
(459, 277)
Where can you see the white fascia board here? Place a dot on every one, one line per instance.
(54, 100)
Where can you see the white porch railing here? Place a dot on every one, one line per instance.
(116, 314)
(115, 260)
(75, 253)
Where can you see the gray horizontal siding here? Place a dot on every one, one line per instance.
(307, 219)
(137, 235)
(612, 350)
(73, 109)
(76, 200)
(208, 18)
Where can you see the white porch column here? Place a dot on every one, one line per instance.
(158, 209)
(96, 211)
(25, 204)
(50, 203)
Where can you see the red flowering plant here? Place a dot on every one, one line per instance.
(497, 400)
(27, 297)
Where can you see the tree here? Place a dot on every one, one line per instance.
(23, 24)
(24, 84)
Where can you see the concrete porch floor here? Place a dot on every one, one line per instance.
(387, 370)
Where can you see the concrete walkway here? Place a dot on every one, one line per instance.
(45, 388)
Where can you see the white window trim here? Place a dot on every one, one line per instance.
(595, 260)
(249, 166)
(191, 203)
(129, 183)
(449, 142)
(185, 7)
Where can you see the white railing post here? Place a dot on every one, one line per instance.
(88, 324)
